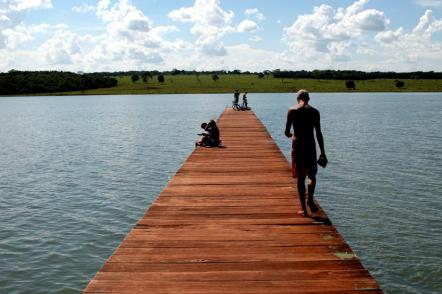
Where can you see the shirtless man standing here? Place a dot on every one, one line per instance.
(305, 121)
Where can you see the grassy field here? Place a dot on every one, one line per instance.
(182, 84)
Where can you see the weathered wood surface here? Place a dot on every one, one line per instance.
(227, 222)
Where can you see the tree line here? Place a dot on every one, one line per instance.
(31, 82)
(286, 74)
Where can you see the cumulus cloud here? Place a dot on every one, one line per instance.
(247, 26)
(353, 37)
(254, 12)
(130, 35)
(61, 48)
(332, 31)
(122, 18)
(12, 12)
(423, 31)
(130, 41)
(203, 12)
(389, 36)
(415, 47)
(211, 23)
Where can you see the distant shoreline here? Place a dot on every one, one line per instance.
(225, 84)
(202, 93)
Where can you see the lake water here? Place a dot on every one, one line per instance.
(76, 173)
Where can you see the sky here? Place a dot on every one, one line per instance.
(249, 35)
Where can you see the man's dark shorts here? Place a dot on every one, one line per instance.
(304, 161)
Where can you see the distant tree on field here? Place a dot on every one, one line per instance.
(260, 75)
(161, 79)
(135, 78)
(144, 77)
(351, 85)
(400, 84)
(215, 78)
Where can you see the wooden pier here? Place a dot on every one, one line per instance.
(227, 222)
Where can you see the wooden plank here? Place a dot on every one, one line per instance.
(227, 222)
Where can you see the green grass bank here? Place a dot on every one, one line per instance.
(204, 83)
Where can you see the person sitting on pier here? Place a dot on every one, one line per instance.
(305, 121)
(210, 137)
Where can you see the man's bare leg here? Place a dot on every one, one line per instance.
(311, 191)
(301, 192)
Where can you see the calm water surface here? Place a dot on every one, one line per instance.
(76, 173)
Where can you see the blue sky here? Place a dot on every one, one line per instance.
(108, 35)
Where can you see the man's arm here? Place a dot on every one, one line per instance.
(319, 134)
(288, 124)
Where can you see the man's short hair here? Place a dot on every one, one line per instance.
(303, 95)
(204, 125)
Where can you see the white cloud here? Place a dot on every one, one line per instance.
(207, 12)
(130, 41)
(429, 3)
(17, 36)
(84, 8)
(353, 37)
(122, 18)
(30, 4)
(57, 50)
(211, 23)
(371, 20)
(254, 12)
(330, 31)
(416, 48)
(12, 13)
(245, 57)
(427, 24)
(247, 26)
(389, 36)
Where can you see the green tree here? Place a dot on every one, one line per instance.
(399, 84)
(161, 79)
(351, 85)
(135, 78)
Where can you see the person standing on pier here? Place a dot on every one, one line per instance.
(236, 98)
(305, 121)
(244, 101)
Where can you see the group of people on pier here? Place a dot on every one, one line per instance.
(235, 102)
(304, 120)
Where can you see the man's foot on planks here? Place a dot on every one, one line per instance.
(303, 213)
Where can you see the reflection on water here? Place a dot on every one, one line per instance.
(77, 172)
